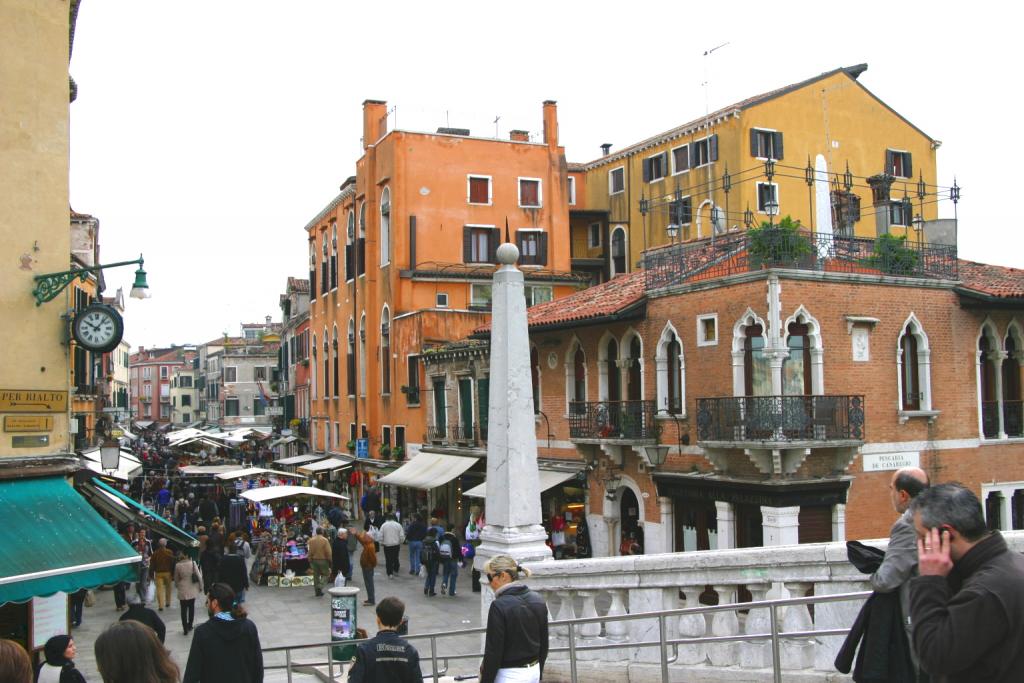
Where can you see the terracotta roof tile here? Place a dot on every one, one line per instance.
(996, 281)
(604, 299)
(299, 285)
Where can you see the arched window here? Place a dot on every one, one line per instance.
(757, 378)
(618, 252)
(334, 355)
(385, 351)
(385, 227)
(312, 370)
(1013, 408)
(327, 364)
(312, 269)
(334, 255)
(669, 364)
(362, 355)
(576, 378)
(350, 236)
(987, 387)
(613, 382)
(325, 265)
(914, 367)
(350, 365)
(796, 367)
(361, 243)
(535, 378)
(635, 369)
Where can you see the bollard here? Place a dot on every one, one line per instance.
(343, 621)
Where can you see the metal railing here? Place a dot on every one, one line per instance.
(990, 419)
(781, 418)
(464, 434)
(742, 253)
(612, 420)
(663, 643)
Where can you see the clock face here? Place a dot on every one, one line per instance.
(98, 328)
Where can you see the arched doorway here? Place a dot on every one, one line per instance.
(630, 528)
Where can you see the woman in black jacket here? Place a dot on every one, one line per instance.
(58, 666)
(517, 625)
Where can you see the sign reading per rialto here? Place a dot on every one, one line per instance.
(33, 401)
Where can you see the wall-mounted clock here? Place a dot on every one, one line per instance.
(98, 328)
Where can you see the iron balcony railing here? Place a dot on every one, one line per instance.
(437, 433)
(1013, 419)
(741, 253)
(780, 418)
(463, 434)
(612, 420)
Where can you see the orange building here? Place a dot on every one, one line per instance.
(401, 261)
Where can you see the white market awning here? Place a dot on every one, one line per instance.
(253, 472)
(127, 468)
(211, 470)
(548, 479)
(299, 459)
(275, 492)
(429, 470)
(283, 441)
(325, 465)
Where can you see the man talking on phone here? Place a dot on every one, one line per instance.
(967, 604)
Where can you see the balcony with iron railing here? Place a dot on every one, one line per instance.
(461, 434)
(437, 434)
(612, 421)
(823, 252)
(739, 420)
(1013, 419)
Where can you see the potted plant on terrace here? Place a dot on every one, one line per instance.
(385, 451)
(779, 245)
(397, 453)
(892, 255)
(351, 446)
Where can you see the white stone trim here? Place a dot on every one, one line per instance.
(661, 364)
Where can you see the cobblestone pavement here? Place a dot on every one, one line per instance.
(294, 616)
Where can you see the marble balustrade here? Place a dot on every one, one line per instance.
(606, 587)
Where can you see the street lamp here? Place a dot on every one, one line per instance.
(673, 231)
(611, 484)
(110, 455)
(771, 207)
(49, 285)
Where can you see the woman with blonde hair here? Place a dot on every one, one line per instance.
(15, 666)
(517, 626)
(129, 652)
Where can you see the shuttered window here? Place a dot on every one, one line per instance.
(656, 167)
(681, 159)
(765, 144)
(479, 189)
(616, 180)
(479, 244)
(533, 247)
(704, 151)
(898, 164)
(529, 192)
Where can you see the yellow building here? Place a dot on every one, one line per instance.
(34, 122)
(731, 166)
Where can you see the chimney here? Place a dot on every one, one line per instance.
(606, 148)
(374, 121)
(881, 185)
(550, 123)
(141, 349)
(268, 321)
(519, 135)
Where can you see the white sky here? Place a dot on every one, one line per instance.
(207, 134)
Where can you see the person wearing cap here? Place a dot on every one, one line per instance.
(138, 611)
(517, 626)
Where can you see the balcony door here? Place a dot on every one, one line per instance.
(465, 408)
(796, 368)
(1013, 415)
(440, 407)
(614, 375)
(634, 377)
(757, 372)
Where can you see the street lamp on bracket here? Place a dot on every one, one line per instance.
(49, 285)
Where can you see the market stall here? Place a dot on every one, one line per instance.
(281, 533)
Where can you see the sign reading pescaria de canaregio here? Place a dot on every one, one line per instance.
(33, 401)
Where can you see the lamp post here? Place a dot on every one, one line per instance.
(772, 208)
(110, 455)
(49, 285)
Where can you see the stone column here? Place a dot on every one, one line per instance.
(668, 526)
(781, 526)
(726, 515)
(513, 486)
(997, 369)
(838, 523)
(692, 626)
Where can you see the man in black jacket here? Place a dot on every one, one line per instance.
(225, 649)
(387, 658)
(967, 605)
(231, 571)
(139, 612)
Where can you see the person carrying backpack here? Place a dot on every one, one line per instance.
(430, 558)
(451, 554)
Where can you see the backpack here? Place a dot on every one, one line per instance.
(429, 553)
(445, 547)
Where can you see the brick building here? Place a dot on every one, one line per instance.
(149, 373)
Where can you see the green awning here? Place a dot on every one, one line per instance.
(126, 509)
(52, 541)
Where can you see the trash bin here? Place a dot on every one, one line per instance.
(343, 621)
